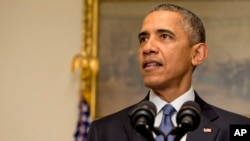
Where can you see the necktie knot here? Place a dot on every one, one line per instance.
(168, 110)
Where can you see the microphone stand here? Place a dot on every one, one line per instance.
(158, 132)
(180, 131)
(177, 132)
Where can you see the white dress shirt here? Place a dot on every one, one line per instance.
(177, 103)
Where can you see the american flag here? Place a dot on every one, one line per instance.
(84, 121)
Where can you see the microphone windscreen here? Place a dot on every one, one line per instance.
(143, 117)
(192, 105)
(148, 105)
(189, 114)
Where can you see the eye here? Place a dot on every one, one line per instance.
(165, 36)
(143, 39)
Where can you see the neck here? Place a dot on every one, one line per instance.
(169, 94)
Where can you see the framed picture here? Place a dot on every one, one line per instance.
(223, 80)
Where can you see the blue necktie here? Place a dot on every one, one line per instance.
(166, 124)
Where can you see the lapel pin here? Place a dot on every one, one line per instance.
(207, 130)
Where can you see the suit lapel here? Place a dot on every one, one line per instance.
(207, 130)
(132, 135)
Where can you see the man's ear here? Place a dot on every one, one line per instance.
(199, 53)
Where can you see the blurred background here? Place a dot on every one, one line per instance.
(38, 92)
(38, 39)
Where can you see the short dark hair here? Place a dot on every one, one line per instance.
(197, 33)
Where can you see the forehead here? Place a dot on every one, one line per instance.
(162, 19)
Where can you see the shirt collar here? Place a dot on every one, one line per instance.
(177, 103)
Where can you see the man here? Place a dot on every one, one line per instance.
(172, 44)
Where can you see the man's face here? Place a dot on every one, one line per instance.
(165, 51)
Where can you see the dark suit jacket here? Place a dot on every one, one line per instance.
(215, 122)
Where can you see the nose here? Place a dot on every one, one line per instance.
(150, 47)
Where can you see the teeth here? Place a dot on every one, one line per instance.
(152, 64)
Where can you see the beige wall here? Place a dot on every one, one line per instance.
(38, 93)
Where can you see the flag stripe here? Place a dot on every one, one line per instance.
(84, 121)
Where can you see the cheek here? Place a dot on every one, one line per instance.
(184, 60)
(174, 58)
(139, 51)
(139, 54)
(169, 55)
(139, 57)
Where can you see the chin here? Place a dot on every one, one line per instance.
(151, 84)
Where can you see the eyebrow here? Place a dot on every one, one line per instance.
(144, 33)
(166, 31)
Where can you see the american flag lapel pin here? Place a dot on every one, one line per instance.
(207, 130)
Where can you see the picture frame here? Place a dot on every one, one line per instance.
(223, 80)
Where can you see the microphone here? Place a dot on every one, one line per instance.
(143, 117)
(188, 119)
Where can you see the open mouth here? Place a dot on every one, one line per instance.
(151, 64)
